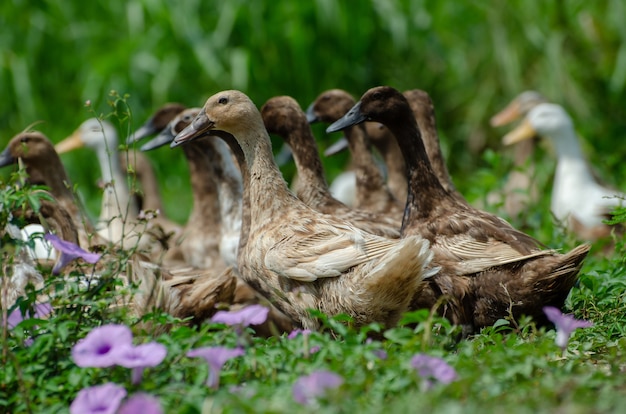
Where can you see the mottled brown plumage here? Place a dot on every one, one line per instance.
(283, 116)
(372, 191)
(388, 147)
(487, 266)
(299, 258)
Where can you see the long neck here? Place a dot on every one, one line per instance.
(311, 184)
(422, 178)
(149, 185)
(230, 187)
(112, 171)
(370, 182)
(205, 211)
(396, 168)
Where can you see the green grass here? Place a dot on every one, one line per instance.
(471, 57)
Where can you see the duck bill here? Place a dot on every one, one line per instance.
(199, 127)
(353, 117)
(144, 131)
(6, 158)
(337, 147)
(523, 132)
(310, 114)
(70, 143)
(509, 114)
(165, 137)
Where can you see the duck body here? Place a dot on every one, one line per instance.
(578, 200)
(297, 257)
(488, 268)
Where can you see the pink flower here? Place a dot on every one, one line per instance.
(102, 346)
(293, 334)
(101, 399)
(564, 324)
(309, 387)
(140, 357)
(69, 251)
(215, 357)
(141, 404)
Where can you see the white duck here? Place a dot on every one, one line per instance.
(578, 201)
(117, 203)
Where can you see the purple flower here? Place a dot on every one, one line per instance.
(293, 334)
(307, 388)
(69, 251)
(140, 357)
(102, 346)
(41, 310)
(380, 353)
(141, 403)
(431, 368)
(250, 315)
(215, 357)
(564, 324)
(101, 399)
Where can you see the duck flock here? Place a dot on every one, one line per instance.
(403, 240)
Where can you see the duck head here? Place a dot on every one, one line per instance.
(176, 125)
(31, 147)
(546, 120)
(519, 107)
(94, 133)
(157, 122)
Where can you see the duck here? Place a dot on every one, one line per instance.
(372, 191)
(283, 116)
(157, 122)
(578, 201)
(297, 257)
(219, 164)
(488, 269)
(44, 167)
(211, 236)
(118, 206)
(519, 191)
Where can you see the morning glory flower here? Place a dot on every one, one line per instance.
(564, 324)
(293, 334)
(69, 251)
(102, 346)
(250, 315)
(41, 311)
(140, 357)
(309, 387)
(431, 368)
(100, 399)
(141, 403)
(215, 357)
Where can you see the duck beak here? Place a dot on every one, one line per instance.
(165, 137)
(199, 127)
(310, 114)
(70, 143)
(509, 114)
(144, 131)
(523, 132)
(6, 158)
(337, 147)
(353, 117)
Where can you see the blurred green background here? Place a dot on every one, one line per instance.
(472, 57)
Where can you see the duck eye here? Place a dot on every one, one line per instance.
(223, 100)
(187, 118)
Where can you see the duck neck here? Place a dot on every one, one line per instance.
(229, 183)
(369, 179)
(428, 128)
(396, 168)
(425, 190)
(149, 185)
(205, 211)
(311, 184)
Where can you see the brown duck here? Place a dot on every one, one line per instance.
(299, 258)
(372, 191)
(489, 270)
(283, 116)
